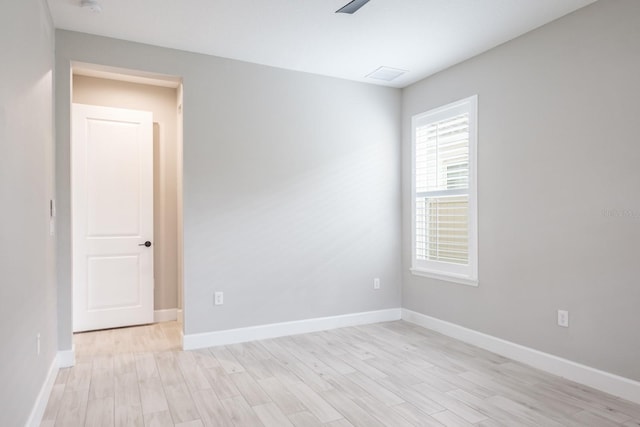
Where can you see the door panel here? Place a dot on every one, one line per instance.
(113, 282)
(112, 205)
(113, 181)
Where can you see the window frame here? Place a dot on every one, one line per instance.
(468, 275)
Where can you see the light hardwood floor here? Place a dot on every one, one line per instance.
(388, 374)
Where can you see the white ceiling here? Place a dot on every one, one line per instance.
(421, 36)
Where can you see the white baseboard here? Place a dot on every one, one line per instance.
(67, 358)
(167, 315)
(180, 316)
(609, 383)
(274, 330)
(35, 418)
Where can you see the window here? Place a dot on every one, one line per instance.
(445, 240)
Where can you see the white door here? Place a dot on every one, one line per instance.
(112, 216)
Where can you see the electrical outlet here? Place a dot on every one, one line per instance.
(563, 318)
(376, 283)
(38, 344)
(219, 298)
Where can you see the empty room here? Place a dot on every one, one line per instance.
(315, 213)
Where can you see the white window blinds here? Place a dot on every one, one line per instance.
(444, 190)
(442, 185)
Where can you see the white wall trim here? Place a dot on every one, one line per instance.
(67, 358)
(180, 316)
(167, 315)
(35, 418)
(274, 330)
(609, 383)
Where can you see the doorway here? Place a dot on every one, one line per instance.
(161, 96)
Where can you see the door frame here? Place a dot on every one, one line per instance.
(134, 76)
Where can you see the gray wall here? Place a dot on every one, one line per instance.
(291, 187)
(161, 101)
(558, 150)
(27, 286)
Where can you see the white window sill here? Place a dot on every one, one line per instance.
(446, 277)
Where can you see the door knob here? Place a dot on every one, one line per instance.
(147, 244)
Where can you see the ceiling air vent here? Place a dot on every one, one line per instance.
(352, 6)
(386, 74)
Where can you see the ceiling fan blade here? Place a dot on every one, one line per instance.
(352, 6)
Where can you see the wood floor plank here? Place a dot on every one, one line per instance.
(221, 383)
(304, 419)
(205, 359)
(124, 363)
(146, 366)
(259, 370)
(228, 362)
(272, 416)
(240, 412)
(286, 401)
(522, 412)
(73, 408)
(374, 389)
(80, 376)
(587, 418)
(128, 408)
(273, 347)
(212, 413)
(336, 363)
(100, 413)
(350, 410)
(307, 375)
(280, 370)
(415, 416)
(462, 383)
(126, 390)
(314, 402)
(152, 396)
(391, 374)
(192, 371)
(53, 404)
(453, 405)
(259, 352)
(495, 413)
(250, 389)
(194, 423)
(339, 423)
(363, 366)
(346, 387)
(242, 353)
(491, 423)
(102, 364)
(396, 372)
(351, 343)
(413, 396)
(101, 386)
(158, 419)
(129, 416)
(181, 404)
(450, 419)
(386, 415)
(589, 399)
(62, 376)
(168, 368)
